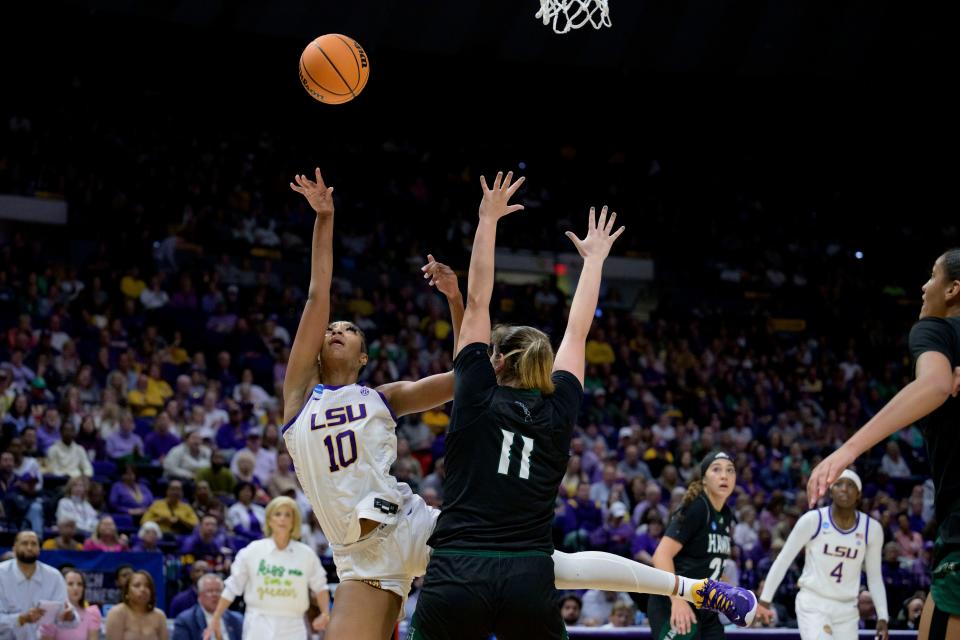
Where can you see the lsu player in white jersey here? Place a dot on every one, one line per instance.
(840, 542)
(341, 438)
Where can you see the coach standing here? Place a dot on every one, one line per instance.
(24, 583)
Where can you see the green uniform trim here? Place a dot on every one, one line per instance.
(945, 586)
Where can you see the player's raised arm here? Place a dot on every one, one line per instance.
(594, 249)
(494, 205)
(932, 387)
(302, 367)
(406, 396)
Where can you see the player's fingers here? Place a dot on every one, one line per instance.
(602, 222)
(516, 185)
(592, 219)
(319, 177)
(507, 181)
(610, 221)
(498, 181)
(483, 184)
(296, 188)
(617, 234)
(514, 207)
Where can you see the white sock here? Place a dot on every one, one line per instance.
(687, 586)
(607, 572)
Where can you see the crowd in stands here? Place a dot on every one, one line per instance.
(141, 372)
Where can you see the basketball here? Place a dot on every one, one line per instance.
(334, 68)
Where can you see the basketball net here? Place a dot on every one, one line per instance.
(565, 15)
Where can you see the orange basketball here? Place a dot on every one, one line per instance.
(334, 68)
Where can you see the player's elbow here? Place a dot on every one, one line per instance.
(939, 386)
(477, 302)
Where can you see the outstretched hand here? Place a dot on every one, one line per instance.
(599, 239)
(317, 193)
(441, 276)
(826, 473)
(496, 201)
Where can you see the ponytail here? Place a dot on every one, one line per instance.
(536, 366)
(528, 357)
(693, 492)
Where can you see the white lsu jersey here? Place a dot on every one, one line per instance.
(343, 443)
(834, 557)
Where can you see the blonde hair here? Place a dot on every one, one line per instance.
(96, 530)
(74, 481)
(276, 503)
(527, 356)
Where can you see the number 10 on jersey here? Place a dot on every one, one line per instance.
(338, 453)
(524, 455)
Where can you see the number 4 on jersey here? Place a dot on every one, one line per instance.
(838, 572)
(524, 455)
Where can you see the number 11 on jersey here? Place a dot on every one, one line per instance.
(524, 455)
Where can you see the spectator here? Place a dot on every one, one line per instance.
(129, 496)
(75, 506)
(214, 416)
(745, 531)
(598, 605)
(600, 491)
(65, 539)
(187, 599)
(148, 538)
(572, 478)
(283, 479)
(172, 514)
(652, 500)
(632, 466)
(67, 458)
(617, 532)
(161, 440)
(188, 459)
(124, 443)
(244, 518)
(868, 613)
(88, 615)
(49, 431)
(581, 516)
(88, 437)
(210, 544)
(265, 462)
(644, 544)
(105, 537)
(621, 615)
(570, 606)
(190, 624)
(231, 436)
(248, 392)
(218, 476)
(137, 615)
(598, 350)
(147, 398)
(774, 478)
(893, 463)
(910, 542)
(205, 503)
(154, 297)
